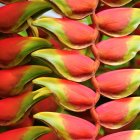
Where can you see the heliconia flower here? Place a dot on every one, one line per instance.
(25, 133)
(116, 3)
(14, 50)
(118, 113)
(16, 21)
(67, 63)
(75, 9)
(71, 33)
(121, 50)
(14, 109)
(47, 104)
(68, 127)
(116, 26)
(72, 96)
(119, 83)
(16, 79)
(124, 135)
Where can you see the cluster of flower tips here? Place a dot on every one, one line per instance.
(77, 74)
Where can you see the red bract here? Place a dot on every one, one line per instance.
(17, 108)
(70, 95)
(116, 3)
(50, 136)
(15, 80)
(126, 135)
(75, 9)
(61, 63)
(119, 84)
(16, 21)
(116, 26)
(121, 117)
(48, 104)
(72, 34)
(121, 49)
(26, 133)
(14, 50)
(68, 127)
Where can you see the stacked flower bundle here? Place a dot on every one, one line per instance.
(70, 78)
